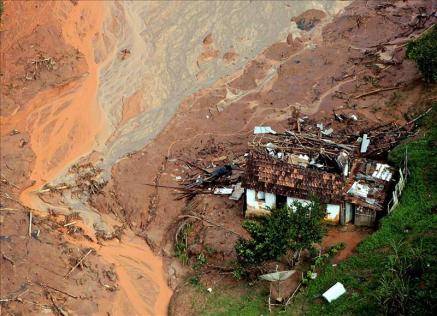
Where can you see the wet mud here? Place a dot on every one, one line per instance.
(130, 87)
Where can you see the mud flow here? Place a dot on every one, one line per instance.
(100, 99)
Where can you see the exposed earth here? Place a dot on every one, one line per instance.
(103, 101)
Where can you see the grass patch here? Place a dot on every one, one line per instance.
(235, 301)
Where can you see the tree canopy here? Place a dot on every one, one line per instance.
(424, 52)
(290, 228)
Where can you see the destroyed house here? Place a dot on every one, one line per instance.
(367, 191)
(359, 195)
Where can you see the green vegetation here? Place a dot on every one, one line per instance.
(181, 246)
(394, 270)
(1, 9)
(232, 301)
(424, 52)
(295, 228)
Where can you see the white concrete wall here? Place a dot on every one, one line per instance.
(259, 199)
(271, 200)
(251, 198)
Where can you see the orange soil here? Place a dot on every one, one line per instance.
(62, 136)
(141, 291)
(65, 123)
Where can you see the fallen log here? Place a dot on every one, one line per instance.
(78, 263)
(57, 290)
(375, 91)
(210, 222)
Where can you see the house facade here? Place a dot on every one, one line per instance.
(358, 194)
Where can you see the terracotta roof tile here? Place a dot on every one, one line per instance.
(264, 173)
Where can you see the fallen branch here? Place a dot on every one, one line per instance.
(30, 223)
(292, 295)
(13, 298)
(57, 290)
(58, 309)
(9, 209)
(78, 263)
(224, 269)
(375, 91)
(420, 116)
(8, 259)
(212, 223)
(162, 186)
(194, 166)
(6, 181)
(178, 231)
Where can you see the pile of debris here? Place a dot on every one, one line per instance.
(222, 180)
(307, 150)
(329, 145)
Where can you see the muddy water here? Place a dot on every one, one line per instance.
(66, 122)
(126, 99)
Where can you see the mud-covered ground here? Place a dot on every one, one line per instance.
(72, 87)
(328, 68)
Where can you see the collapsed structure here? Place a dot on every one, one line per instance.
(295, 167)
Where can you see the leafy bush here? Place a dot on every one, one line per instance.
(294, 228)
(396, 286)
(424, 52)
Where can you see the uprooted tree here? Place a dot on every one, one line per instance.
(424, 52)
(293, 228)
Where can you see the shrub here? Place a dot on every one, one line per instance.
(424, 52)
(294, 228)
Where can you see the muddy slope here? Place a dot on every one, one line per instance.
(49, 117)
(90, 84)
(326, 67)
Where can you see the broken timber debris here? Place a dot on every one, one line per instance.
(78, 263)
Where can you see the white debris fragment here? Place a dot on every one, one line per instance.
(358, 189)
(263, 130)
(223, 191)
(382, 172)
(364, 143)
(327, 132)
(334, 292)
(238, 192)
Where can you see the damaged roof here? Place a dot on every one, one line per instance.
(265, 173)
(369, 183)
